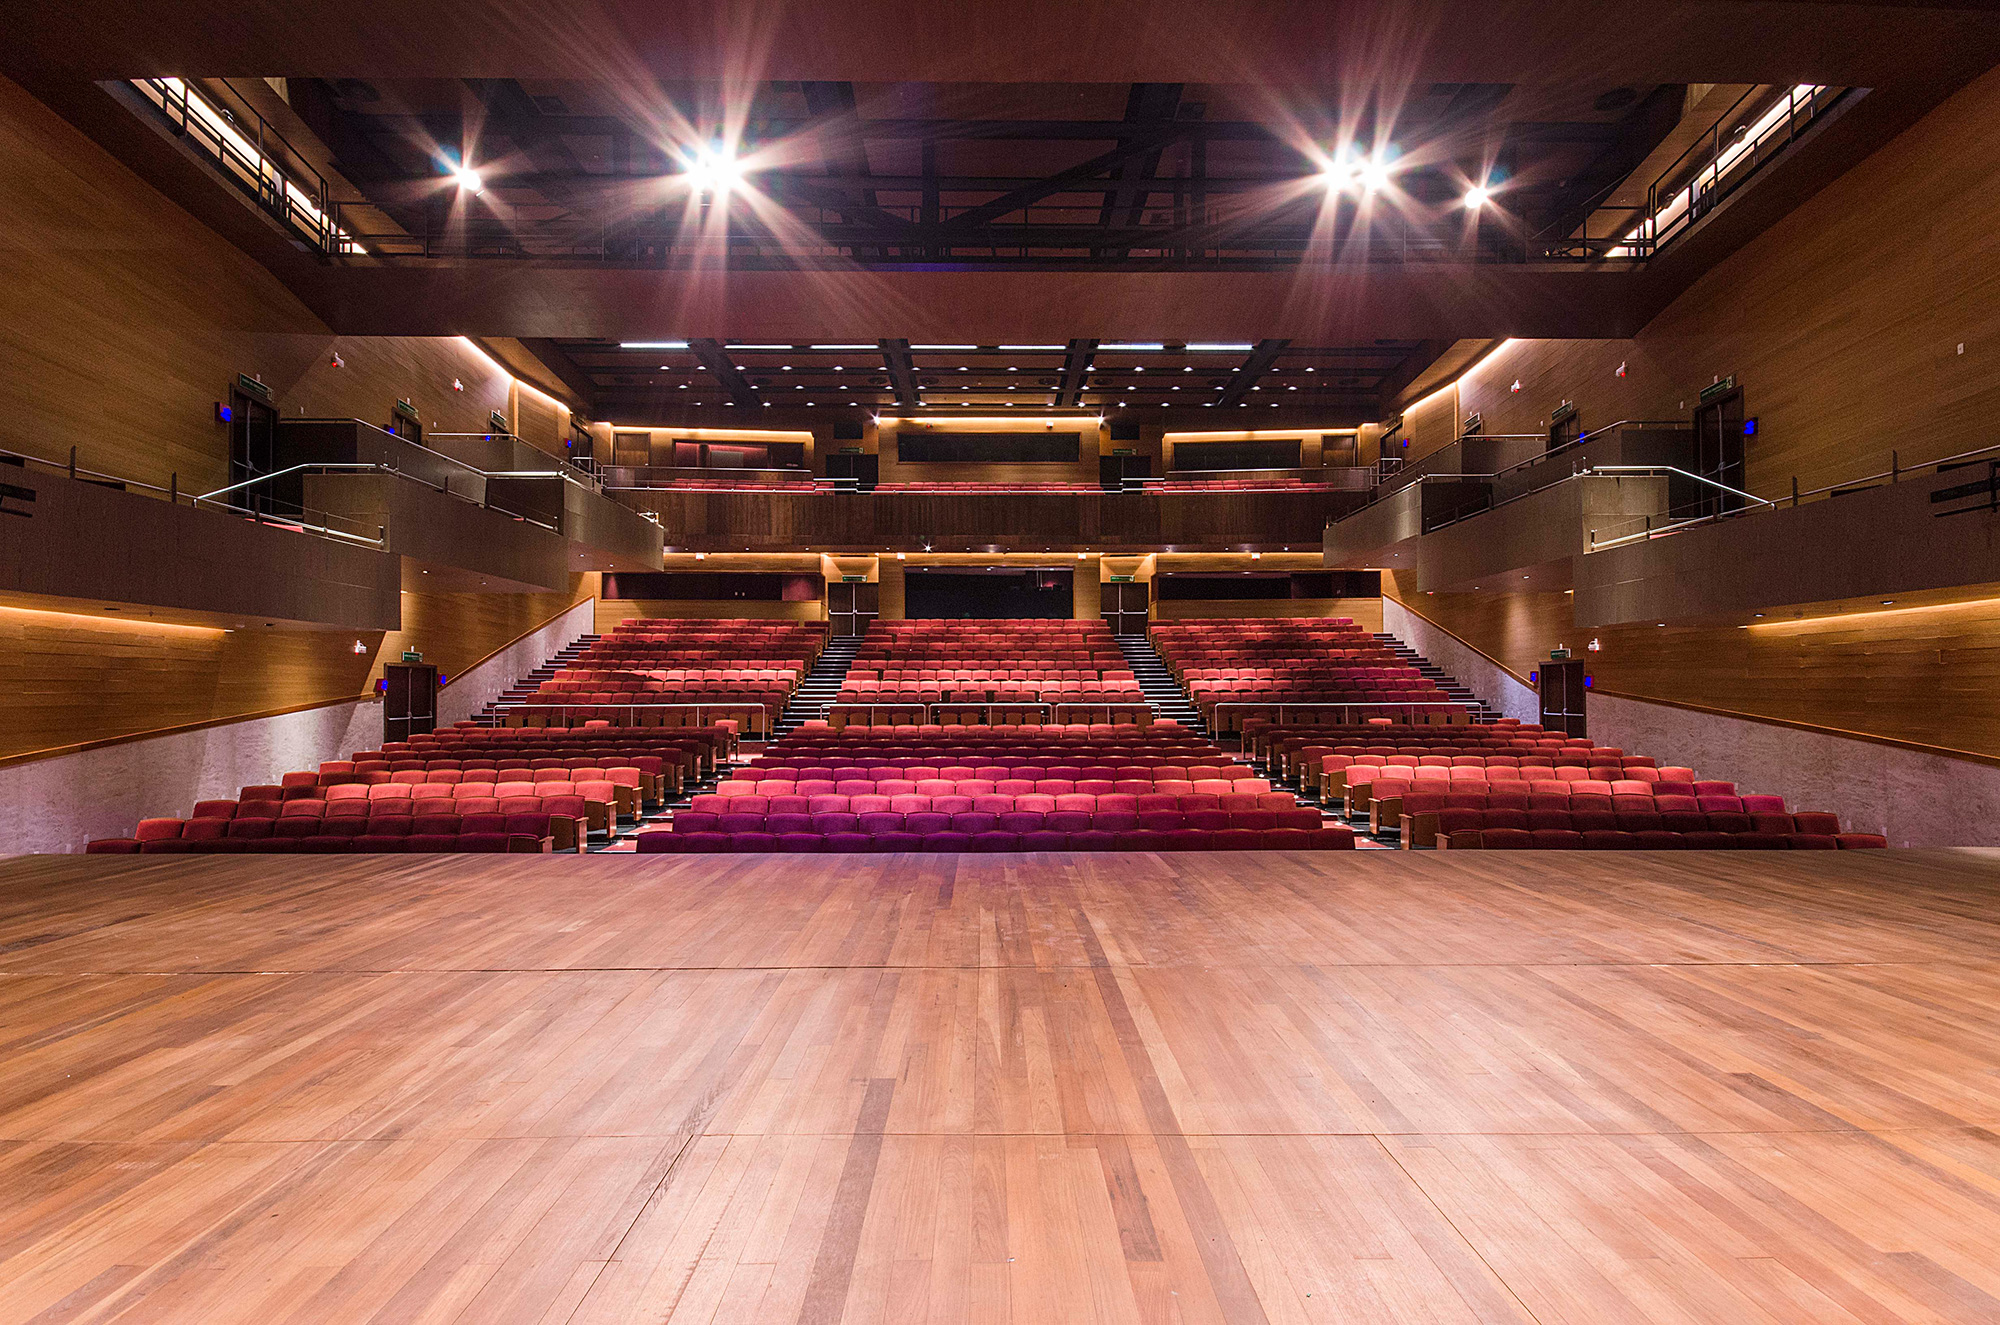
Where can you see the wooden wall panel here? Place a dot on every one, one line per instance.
(122, 319)
(1842, 322)
(71, 679)
(1365, 612)
(123, 322)
(76, 678)
(540, 421)
(610, 611)
(1929, 675)
(906, 521)
(1430, 423)
(456, 630)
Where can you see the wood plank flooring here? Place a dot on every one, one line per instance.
(1488, 1087)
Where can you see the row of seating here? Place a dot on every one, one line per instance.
(649, 672)
(483, 831)
(576, 782)
(1232, 668)
(1476, 789)
(992, 662)
(1033, 789)
(925, 838)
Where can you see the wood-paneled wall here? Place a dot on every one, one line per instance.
(124, 322)
(611, 611)
(1365, 612)
(1929, 675)
(1843, 323)
(71, 679)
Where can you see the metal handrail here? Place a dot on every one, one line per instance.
(1405, 706)
(509, 705)
(295, 469)
(1385, 491)
(284, 182)
(1669, 469)
(930, 710)
(174, 497)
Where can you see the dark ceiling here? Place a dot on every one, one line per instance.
(1097, 176)
(1155, 381)
(971, 172)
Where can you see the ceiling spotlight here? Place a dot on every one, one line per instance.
(1477, 197)
(1374, 174)
(713, 170)
(468, 178)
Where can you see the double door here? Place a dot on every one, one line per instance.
(1123, 607)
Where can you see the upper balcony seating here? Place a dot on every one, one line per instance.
(743, 670)
(1249, 667)
(723, 480)
(1184, 482)
(1021, 486)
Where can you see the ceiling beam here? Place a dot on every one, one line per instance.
(505, 106)
(1147, 103)
(1075, 373)
(1062, 182)
(1252, 368)
(902, 372)
(725, 372)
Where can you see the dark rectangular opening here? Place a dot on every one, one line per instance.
(988, 594)
(1255, 453)
(713, 586)
(1009, 448)
(1244, 585)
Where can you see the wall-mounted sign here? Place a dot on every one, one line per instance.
(1562, 412)
(252, 388)
(497, 421)
(1722, 388)
(412, 656)
(406, 409)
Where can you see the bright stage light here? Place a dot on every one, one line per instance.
(468, 179)
(713, 170)
(1476, 197)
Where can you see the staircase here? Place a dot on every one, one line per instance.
(1443, 680)
(525, 687)
(821, 686)
(1163, 694)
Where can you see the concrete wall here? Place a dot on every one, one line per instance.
(1513, 697)
(1915, 798)
(470, 691)
(59, 804)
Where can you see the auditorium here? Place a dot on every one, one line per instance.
(1494, 826)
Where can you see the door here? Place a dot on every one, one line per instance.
(851, 607)
(1565, 428)
(253, 444)
(1718, 454)
(1123, 607)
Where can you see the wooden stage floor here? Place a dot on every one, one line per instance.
(1180, 1088)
